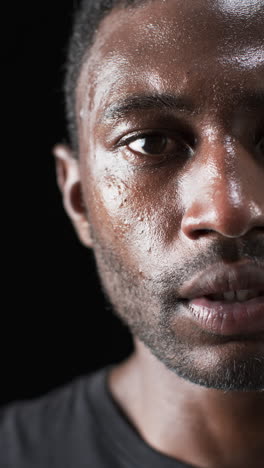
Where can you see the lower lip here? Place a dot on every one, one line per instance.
(233, 318)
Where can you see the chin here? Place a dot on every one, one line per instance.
(234, 374)
(234, 367)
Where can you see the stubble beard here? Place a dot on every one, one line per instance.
(151, 315)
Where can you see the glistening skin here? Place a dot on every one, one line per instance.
(168, 191)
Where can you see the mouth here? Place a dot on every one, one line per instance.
(227, 300)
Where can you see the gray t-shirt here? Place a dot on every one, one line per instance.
(76, 426)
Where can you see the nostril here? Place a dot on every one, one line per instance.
(196, 234)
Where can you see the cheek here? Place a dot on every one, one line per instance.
(135, 212)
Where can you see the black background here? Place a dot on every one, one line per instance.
(55, 323)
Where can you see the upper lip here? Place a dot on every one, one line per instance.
(222, 278)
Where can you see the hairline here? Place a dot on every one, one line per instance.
(74, 69)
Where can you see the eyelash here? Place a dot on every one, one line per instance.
(181, 140)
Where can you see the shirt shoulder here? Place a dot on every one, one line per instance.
(56, 430)
(76, 426)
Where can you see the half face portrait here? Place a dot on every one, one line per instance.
(164, 179)
(160, 178)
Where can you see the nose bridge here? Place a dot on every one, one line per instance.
(227, 179)
(228, 194)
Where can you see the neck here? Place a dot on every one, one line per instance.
(200, 426)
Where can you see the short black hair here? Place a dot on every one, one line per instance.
(86, 19)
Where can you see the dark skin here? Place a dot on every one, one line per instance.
(168, 205)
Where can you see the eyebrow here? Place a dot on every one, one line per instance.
(141, 102)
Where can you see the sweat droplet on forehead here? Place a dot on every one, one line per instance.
(247, 57)
(240, 7)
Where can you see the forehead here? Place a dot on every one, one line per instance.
(175, 46)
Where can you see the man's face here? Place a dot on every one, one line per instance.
(172, 171)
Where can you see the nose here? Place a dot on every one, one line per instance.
(223, 192)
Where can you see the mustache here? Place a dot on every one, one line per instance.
(170, 281)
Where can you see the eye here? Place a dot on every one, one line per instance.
(156, 144)
(151, 144)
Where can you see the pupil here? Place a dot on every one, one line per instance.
(154, 144)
